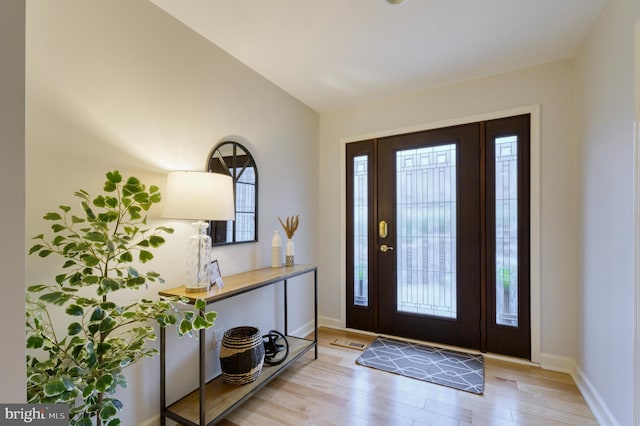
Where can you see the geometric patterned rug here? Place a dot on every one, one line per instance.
(445, 367)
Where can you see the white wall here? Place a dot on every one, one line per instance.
(551, 87)
(605, 120)
(122, 85)
(637, 230)
(12, 367)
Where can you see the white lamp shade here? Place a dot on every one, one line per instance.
(198, 196)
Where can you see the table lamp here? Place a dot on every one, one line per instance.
(200, 196)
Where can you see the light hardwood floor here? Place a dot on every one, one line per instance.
(334, 390)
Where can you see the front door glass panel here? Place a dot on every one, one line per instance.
(426, 230)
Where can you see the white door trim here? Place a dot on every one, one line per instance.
(535, 284)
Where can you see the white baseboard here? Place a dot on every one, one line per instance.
(568, 365)
(559, 363)
(303, 330)
(328, 322)
(600, 410)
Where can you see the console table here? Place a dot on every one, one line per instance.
(212, 401)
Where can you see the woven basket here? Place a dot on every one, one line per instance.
(241, 355)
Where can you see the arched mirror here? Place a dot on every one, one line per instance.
(233, 159)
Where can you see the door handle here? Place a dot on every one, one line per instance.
(385, 248)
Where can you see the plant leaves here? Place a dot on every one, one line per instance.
(54, 387)
(74, 310)
(68, 263)
(107, 324)
(68, 383)
(97, 237)
(145, 256)
(44, 253)
(156, 241)
(38, 378)
(116, 402)
(108, 306)
(125, 361)
(90, 279)
(133, 181)
(51, 297)
(88, 390)
(35, 341)
(76, 219)
(114, 176)
(99, 201)
(97, 315)
(52, 216)
(35, 248)
(134, 212)
(155, 198)
(114, 422)
(56, 227)
(211, 317)
(74, 328)
(141, 197)
(89, 260)
(104, 382)
(111, 202)
(126, 257)
(199, 323)
(59, 239)
(103, 348)
(107, 412)
(109, 187)
(93, 328)
(185, 327)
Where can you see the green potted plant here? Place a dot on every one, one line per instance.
(80, 361)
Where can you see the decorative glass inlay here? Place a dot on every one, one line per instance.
(360, 227)
(506, 167)
(426, 230)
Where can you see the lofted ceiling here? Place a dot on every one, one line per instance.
(334, 54)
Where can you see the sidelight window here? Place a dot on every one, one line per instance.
(506, 230)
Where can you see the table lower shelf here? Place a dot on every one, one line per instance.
(221, 398)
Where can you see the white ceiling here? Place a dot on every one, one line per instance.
(338, 53)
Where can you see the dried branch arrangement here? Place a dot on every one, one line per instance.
(290, 225)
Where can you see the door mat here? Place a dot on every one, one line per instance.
(349, 344)
(445, 367)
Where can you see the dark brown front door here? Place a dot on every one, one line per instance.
(428, 193)
(429, 256)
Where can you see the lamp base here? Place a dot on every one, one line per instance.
(198, 259)
(188, 289)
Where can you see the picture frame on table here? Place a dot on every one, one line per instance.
(215, 277)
